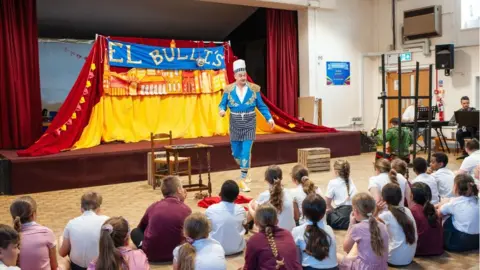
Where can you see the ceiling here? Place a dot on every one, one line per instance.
(178, 19)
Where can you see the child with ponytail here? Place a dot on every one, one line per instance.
(272, 247)
(402, 230)
(370, 235)
(314, 239)
(38, 246)
(199, 252)
(277, 196)
(9, 248)
(384, 175)
(114, 252)
(304, 187)
(340, 190)
(429, 224)
(461, 229)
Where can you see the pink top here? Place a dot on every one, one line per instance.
(135, 258)
(36, 240)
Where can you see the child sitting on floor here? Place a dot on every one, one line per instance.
(370, 236)
(314, 239)
(37, 243)
(461, 229)
(384, 175)
(199, 252)
(402, 231)
(272, 247)
(114, 252)
(420, 166)
(340, 190)
(277, 196)
(228, 219)
(443, 175)
(304, 186)
(9, 248)
(429, 224)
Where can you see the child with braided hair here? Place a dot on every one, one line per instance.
(304, 187)
(272, 247)
(340, 190)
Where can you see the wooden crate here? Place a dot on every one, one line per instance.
(315, 159)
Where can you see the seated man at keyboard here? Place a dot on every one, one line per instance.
(393, 141)
(409, 116)
(464, 132)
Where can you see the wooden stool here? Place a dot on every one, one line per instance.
(315, 159)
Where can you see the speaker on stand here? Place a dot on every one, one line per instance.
(444, 57)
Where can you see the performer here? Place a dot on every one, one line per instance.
(242, 98)
(464, 132)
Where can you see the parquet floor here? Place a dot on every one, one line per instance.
(131, 199)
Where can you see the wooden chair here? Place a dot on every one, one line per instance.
(157, 173)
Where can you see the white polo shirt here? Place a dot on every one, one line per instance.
(379, 181)
(209, 255)
(432, 183)
(299, 196)
(227, 221)
(444, 178)
(464, 212)
(399, 251)
(4, 267)
(337, 191)
(307, 260)
(470, 162)
(84, 235)
(286, 219)
(409, 114)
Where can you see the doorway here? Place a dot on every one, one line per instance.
(408, 89)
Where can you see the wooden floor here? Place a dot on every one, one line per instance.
(130, 200)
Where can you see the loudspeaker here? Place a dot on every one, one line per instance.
(444, 56)
(5, 185)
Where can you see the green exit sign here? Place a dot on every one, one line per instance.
(406, 57)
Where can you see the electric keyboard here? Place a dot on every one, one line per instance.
(423, 124)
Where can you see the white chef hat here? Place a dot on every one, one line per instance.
(239, 65)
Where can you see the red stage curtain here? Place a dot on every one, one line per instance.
(282, 60)
(20, 102)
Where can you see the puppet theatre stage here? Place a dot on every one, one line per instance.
(127, 162)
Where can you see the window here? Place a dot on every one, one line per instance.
(470, 14)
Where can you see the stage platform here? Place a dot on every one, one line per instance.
(120, 162)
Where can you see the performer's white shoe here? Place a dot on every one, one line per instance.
(243, 186)
(248, 179)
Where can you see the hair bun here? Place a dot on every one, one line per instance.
(304, 178)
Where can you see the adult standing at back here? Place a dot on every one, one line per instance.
(82, 234)
(161, 228)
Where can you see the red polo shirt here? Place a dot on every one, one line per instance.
(259, 256)
(163, 228)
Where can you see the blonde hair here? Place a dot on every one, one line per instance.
(365, 204)
(266, 219)
(343, 168)
(300, 174)
(196, 226)
(384, 166)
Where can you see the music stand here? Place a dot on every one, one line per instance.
(467, 119)
(423, 113)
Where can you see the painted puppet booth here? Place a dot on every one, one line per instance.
(131, 87)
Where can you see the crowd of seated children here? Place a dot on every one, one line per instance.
(384, 175)
(114, 251)
(401, 227)
(37, 243)
(429, 224)
(314, 239)
(82, 234)
(161, 227)
(304, 186)
(366, 242)
(420, 167)
(443, 176)
(228, 219)
(461, 229)
(278, 196)
(199, 252)
(340, 190)
(9, 248)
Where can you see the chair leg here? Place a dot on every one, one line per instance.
(189, 171)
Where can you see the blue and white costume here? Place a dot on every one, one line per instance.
(242, 102)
